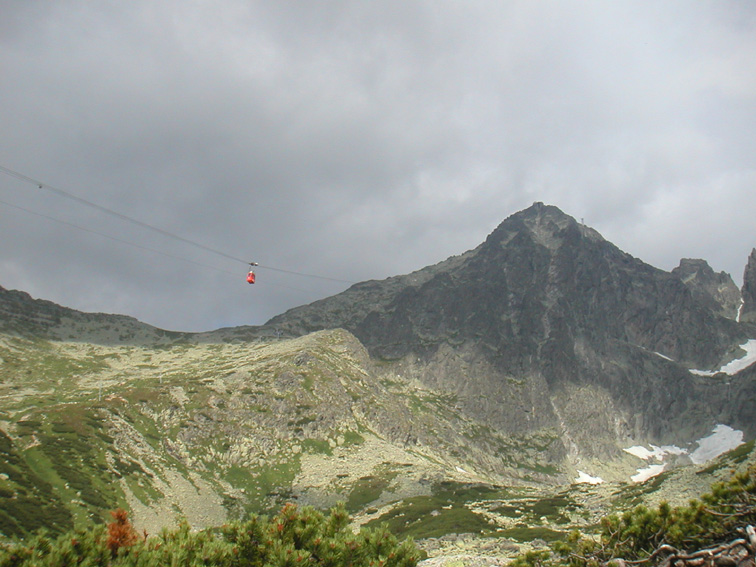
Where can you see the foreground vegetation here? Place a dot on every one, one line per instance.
(717, 528)
(295, 536)
(720, 523)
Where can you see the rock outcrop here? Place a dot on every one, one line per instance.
(716, 291)
(748, 310)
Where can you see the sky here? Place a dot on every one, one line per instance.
(341, 141)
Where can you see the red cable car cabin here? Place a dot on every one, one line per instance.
(251, 277)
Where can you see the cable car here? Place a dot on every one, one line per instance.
(251, 274)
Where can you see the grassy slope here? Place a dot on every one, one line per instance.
(213, 430)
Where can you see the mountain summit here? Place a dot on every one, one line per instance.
(547, 328)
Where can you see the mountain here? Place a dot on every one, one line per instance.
(22, 315)
(214, 426)
(546, 328)
(206, 427)
(464, 396)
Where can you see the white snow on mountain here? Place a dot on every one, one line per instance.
(723, 438)
(665, 357)
(649, 472)
(585, 478)
(736, 365)
(655, 452)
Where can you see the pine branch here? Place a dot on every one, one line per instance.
(719, 556)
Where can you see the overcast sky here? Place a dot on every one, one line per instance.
(358, 140)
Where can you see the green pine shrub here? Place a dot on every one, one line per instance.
(294, 537)
(636, 534)
(701, 523)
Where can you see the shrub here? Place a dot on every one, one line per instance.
(120, 532)
(295, 536)
(637, 534)
(702, 522)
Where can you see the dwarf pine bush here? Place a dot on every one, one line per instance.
(703, 522)
(294, 537)
(636, 534)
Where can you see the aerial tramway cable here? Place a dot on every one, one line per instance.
(114, 238)
(82, 201)
(133, 244)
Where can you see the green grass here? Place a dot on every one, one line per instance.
(452, 492)
(353, 438)
(368, 489)
(68, 459)
(317, 447)
(40, 360)
(448, 511)
(528, 534)
(443, 404)
(555, 509)
(143, 489)
(239, 477)
(271, 484)
(551, 507)
(632, 495)
(427, 516)
(445, 511)
(29, 501)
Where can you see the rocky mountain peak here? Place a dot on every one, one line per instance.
(748, 311)
(549, 316)
(717, 291)
(546, 225)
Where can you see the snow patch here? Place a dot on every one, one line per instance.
(740, 310)
(649, 472)
(736, 365)
(640, 452)
(585, 478)
(740, 364)
(655, 452)
(721, 440)
(663, 356)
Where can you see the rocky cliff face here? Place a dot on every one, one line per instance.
(717, 292)
(748, 311)
(547, 327)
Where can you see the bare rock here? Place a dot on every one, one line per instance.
(748, 311)
(717, 291)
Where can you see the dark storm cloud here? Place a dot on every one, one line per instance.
(359, 140)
